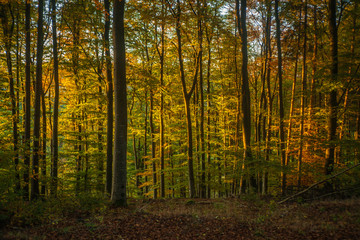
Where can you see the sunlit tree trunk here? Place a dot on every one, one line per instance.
(43, 150)
(245, 95)
(118, 194)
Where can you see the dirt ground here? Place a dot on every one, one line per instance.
(203, 219)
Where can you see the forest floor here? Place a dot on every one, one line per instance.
(199, 219)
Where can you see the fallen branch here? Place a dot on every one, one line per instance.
(318, 183)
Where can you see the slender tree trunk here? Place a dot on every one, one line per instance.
(118, 194)
(37, 112)
(332, 99)
(202, 113)
(27, 99)
(153, 144)
(245, 95)
(110, 101)
(267, 95)
(55, 140)
(303, 94)
(187, 97)
(43, 151)
(162, 125)
(281, 101)
(208, 100)
(314, 66)
(18, 69)
(100, 161)
(145, 139)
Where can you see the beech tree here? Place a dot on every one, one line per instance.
(118, 194)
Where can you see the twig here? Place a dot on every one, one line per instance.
(318, 183)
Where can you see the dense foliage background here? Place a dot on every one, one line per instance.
(158, 149)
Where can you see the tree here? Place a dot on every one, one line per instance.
(118, 194)
(110, 100)
(55, 141)
(245, 94)
(303, 94)
(332, 99)
(27, 99)
(37, 112)
(186, 96)
(281, 100)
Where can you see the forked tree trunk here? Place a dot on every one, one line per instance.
(245, 95)
(187, 96)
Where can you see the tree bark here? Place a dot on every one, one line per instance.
(245, 95)
(332, 99)
(37, 112)
(281, 101)
(118, 194)
(303, 94)
(110, 101)
(153, 144)
(187, 97)
(162, 125)
(27, 100)
(55, 140)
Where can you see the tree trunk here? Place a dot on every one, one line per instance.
(314, 66)
(162, 140)
(55, 141)
(118, 194)
(332, 99)
(281, 101)
(245, 95)
(110, 101)
(208, 100)
(153, 144)
(187, 97)
(43, 151)
(303, 94)
(201, 88)
(27, 99)
(37, 112)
